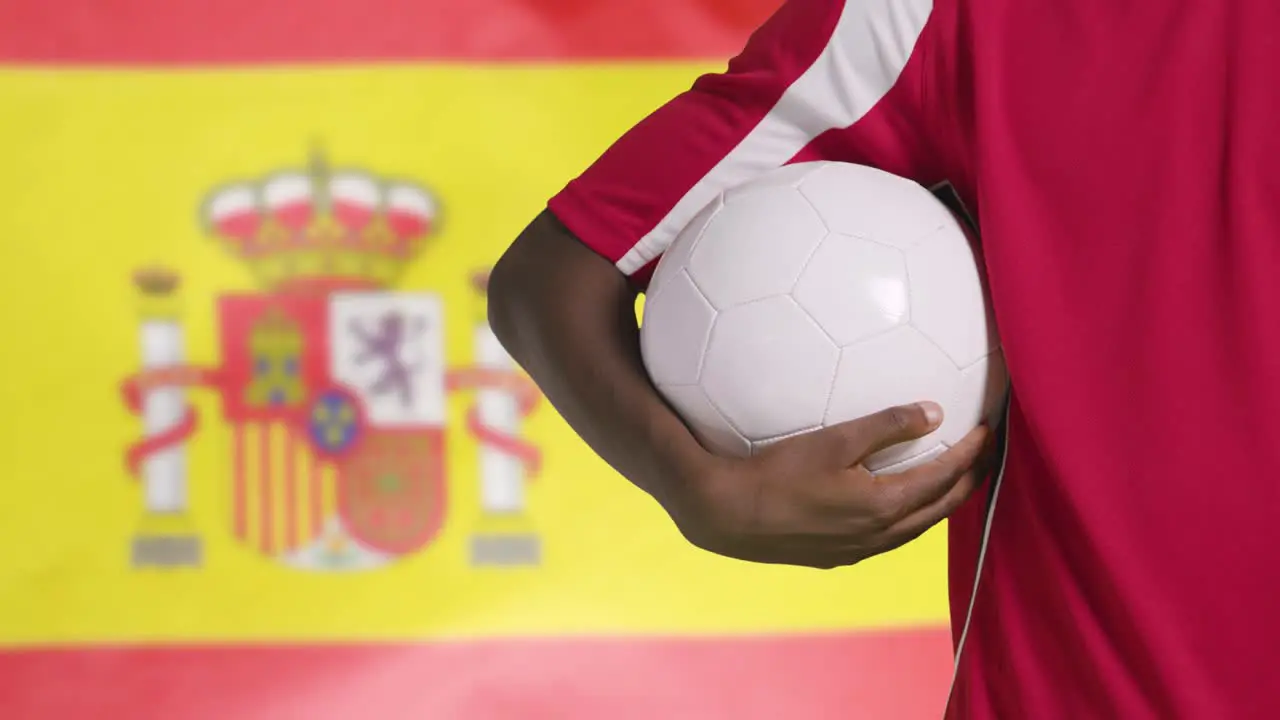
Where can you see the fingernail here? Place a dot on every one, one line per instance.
(932, 412)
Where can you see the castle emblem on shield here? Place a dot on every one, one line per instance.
(333, 387)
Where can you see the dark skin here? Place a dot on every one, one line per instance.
(568, 317)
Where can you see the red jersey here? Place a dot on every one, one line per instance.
(1121, 160)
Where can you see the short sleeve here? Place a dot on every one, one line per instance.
(838, 80)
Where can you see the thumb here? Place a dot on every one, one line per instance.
(854, 440)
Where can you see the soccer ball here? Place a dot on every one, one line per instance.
(819, 293)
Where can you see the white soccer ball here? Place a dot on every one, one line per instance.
(819, 293)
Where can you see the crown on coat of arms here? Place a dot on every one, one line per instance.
(320, 231)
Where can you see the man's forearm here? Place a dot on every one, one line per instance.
(568, 317)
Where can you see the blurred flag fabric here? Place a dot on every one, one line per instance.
(263, 458)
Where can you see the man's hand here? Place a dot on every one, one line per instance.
(808, 500)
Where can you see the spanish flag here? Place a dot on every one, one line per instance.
(263, 457)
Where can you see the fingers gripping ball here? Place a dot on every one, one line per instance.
(819, 293)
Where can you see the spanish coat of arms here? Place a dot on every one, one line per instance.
(333, 385)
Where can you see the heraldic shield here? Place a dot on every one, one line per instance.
(337, 410)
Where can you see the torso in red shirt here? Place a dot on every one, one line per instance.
(1121, 159)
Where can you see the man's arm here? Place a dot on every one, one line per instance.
(568, 317)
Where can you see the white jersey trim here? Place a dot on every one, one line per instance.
(862, 61)
(982, 556)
